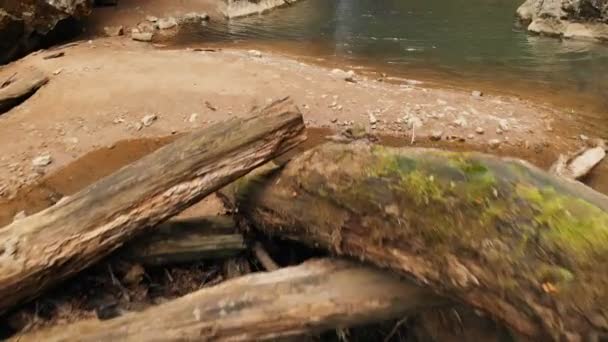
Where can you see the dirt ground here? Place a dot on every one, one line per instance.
(100, 91)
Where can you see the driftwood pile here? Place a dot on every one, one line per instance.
(406, 230)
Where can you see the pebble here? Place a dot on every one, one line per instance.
(479, 130)
(255, 53)
(114, 31)
(436, 135)
(583, 137)
(193, 117)
(498, 131)
(503, 125)
(476, 93)
(372, 119)
(460, 122)
(194, 17)
(334, 120)
(494, 143)
(470, 136)
(151, 18)
(42, 160)
(135, 275)
(149, 120)
(142, 36)
(58, 71)
(166, 23)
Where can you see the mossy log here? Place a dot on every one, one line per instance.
(181, 241)
(47, 247)
(500, 235)
(309, 298)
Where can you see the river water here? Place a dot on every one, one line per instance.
(457, 42)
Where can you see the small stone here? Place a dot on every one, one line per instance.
(372, 119)
(138, 126)
(413, 122)
(334, 120)
(166, 23)
(142, 36)
(494, 143)
(476, 93)
(194, 18)
(114, 31)
(193, 117)
(503, 125)
(255, 53)
(118, 120)
(151, 18)
(460, 122)
(149, 120)
(43, 160)
(135, 275)
(350, 76)
(470, 136)
(498, 131)
(479, 130)
(436, 135)
(583, 137)
(58, 71)
(19, 216)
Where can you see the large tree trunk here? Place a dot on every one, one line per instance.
(315, 296)
(47, 247)
(500, 235)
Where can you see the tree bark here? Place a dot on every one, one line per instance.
(43, 249)
(309, 298)
(500, 235)
(181, 241)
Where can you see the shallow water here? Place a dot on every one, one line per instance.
(455, 41)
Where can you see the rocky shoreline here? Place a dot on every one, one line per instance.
(579, 19)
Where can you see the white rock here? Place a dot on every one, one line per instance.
(503, 125)
(149, 120)
(476, 93)
(372, 119)
(255, 53)
(142, 36)
(460, 122)
(151, 18)
(479, 130)
(350, 76)
(193, 117)
(42, 160)
(436, 135)
(470, 136)
(194, 18)
(583, 137)
(494, 143)
(166, 23)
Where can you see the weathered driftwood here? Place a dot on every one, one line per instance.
(312, 297)
(579, 164)
(180, 241)
(526, 247)
(20, 86)
(44, 248)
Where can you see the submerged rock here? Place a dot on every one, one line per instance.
(576, 19)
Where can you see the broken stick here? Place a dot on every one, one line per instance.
(309, 298)
(500, 235)
(45, 248)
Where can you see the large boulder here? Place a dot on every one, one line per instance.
(579, 19)
(27, 24)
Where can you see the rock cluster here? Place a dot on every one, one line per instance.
(577, 19)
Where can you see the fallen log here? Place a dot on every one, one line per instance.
(44, 248)
(312, 297)
(181, 241)
(525, 247)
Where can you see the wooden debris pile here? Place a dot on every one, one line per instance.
(400, 235)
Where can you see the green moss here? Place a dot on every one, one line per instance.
(423, 187)
(570, 223)
(554, 274)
